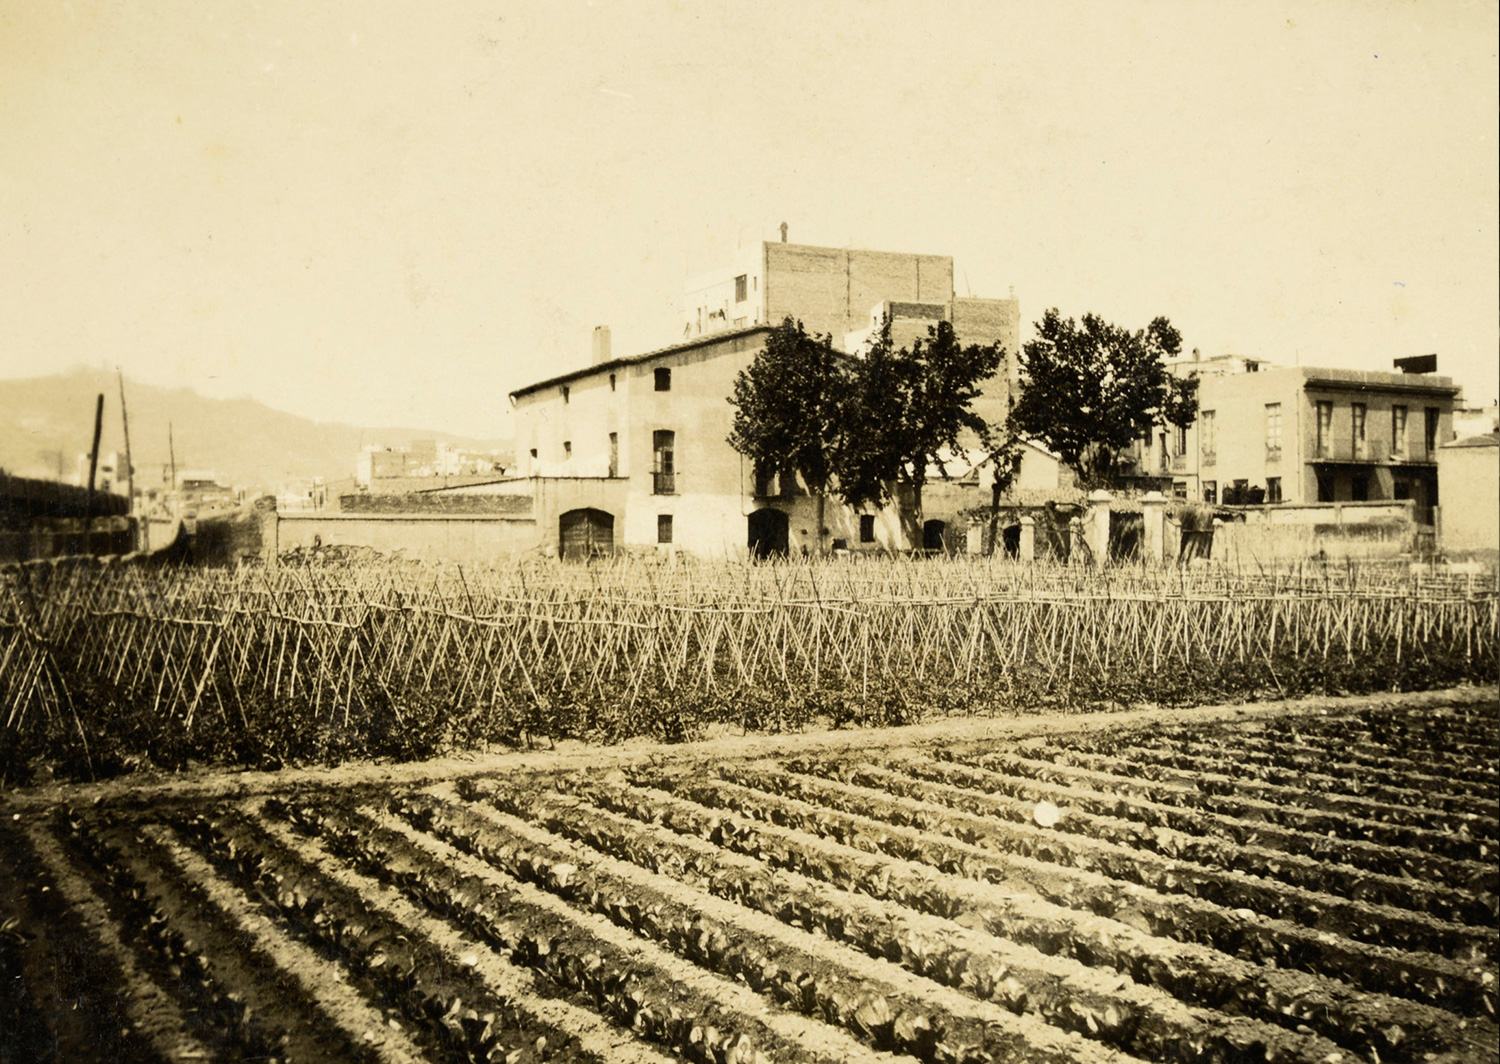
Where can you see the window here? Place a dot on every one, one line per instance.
(1273, 432)
(1166, 460)
(664, 528)
(1211, 491)
(1207, 436)
(611, 382)
(1179, 489)
(614, 454)
(767, 483)
(1433, 415)
(1325, 483)
(741, 288)
(567, 450)
(663, 462)
(533, 454)
(1361, 436)
(1325, 428)
(1398, 430)
(1273, 489)
(1360, 487)
(663, 379)
(1181, 441)
(566, 392)
(867, 528)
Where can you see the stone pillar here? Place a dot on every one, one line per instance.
(1027, 551)
(1154, 512)
(974, 541)
(270, 537)
(1096, 525)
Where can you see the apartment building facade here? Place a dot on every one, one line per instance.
(1304, 434)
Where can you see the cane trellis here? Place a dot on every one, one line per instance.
(196, 643)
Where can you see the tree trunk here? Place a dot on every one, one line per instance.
(823, 546)
(994, 513)
(916, 514)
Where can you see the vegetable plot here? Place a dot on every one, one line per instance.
(1298, 887)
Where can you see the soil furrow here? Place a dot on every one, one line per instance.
(152, 1013)
(1038, 780)
(1191, 971)
(338, 1006)
(1440, 831)
(1243, 933)
(1317, 910)
(1065, 992)
(1086, 816)
(816, 1042)
(1003, 1031)
(595, 1035)
(1470, 791)
(1206, 759)
(448, 1010)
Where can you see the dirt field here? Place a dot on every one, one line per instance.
(1306, 881)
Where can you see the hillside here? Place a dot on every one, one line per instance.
(46, 422)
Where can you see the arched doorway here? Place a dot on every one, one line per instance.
(585, 533)
(768, 532)
(932, 534)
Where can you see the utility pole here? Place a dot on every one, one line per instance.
(172, 454)
(129, 466)
(88, 506)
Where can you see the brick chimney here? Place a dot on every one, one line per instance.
(601, 344)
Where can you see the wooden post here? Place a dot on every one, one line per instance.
(88, 505)
(129, 467)
(1027, 551)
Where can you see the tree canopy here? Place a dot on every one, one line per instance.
(789, 407)
(859, 425)
(1090, 388)
(910, 405)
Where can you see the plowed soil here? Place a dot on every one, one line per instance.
(1312, 881)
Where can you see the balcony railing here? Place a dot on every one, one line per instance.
(663, 483)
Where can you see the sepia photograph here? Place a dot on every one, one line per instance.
(784, 533)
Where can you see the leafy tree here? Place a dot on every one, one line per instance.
(1090, 388)
(788, 403)
(1004, 446)
(904, 407)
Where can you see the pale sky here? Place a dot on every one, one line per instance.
(395, 213)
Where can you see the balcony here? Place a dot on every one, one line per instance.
(664, 483)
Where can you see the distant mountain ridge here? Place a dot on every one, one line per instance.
(46, 422)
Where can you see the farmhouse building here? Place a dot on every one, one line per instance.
(1301, 435)
(632, 452)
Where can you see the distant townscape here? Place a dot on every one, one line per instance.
(632, 452)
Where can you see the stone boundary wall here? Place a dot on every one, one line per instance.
(445, 502)
(466, 538)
